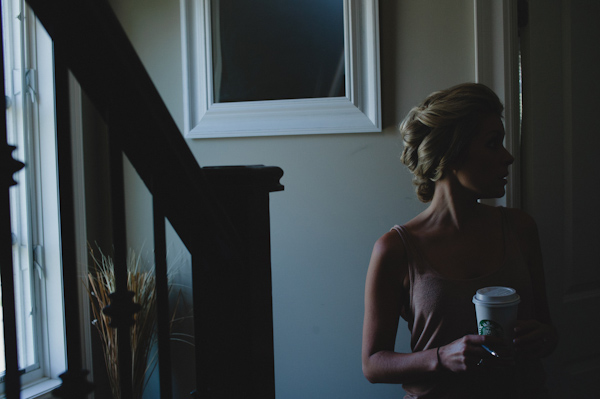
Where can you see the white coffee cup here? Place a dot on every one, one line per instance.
(496, 310)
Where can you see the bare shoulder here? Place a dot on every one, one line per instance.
(523, 223)
(388, 259)
(389, 247)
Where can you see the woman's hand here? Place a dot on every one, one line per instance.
(467, 354)
(534, 340)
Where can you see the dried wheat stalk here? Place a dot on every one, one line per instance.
(101, 281)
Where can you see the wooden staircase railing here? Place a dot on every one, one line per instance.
(220, 214)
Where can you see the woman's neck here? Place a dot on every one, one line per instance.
(452, 205)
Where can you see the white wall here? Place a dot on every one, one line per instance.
(341, 191)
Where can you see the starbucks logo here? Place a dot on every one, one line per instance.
(490, 327)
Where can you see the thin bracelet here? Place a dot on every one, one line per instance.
(439, 359)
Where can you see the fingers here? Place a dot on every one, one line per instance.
(530, 331)
(458, 356)
(532, 338)
(469, 355)
(526, 326)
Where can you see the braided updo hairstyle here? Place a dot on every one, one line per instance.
(438, 132)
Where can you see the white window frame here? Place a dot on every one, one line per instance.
(80, 225)
(497, 66)
(39, 99)
(357, 112)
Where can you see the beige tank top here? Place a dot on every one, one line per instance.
(440, 310)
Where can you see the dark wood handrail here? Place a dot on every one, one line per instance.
(90, 42)
(94, 46)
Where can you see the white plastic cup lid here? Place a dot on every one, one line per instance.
(498, 296)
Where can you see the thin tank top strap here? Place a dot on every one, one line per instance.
(411, 260)
(412, 255)
(401, 230)
(404, 236)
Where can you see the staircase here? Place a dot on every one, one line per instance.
(220, 214)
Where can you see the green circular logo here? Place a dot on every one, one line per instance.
(490, 327)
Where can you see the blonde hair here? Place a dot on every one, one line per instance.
(437, 132)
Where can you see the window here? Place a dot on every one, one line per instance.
(34, 201)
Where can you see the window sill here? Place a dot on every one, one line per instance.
(41, 389)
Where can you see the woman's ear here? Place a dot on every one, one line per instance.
(453, 167)
(456, 164)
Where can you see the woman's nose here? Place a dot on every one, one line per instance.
(509, 157)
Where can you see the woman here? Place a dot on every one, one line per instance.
(428, 270)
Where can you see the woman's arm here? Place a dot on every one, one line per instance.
(385, 293)
(538, 337)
